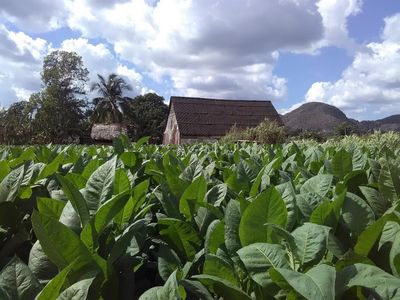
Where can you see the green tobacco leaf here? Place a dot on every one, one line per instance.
(50, 207)
(263, 177)
(99, 186)
(389, 182)
(52, 289)
(316, 283)
(196, 192)
(371, 234)
(394, 256)
(180, 236)
(77, 291)
(216, 195)
(357, 215)
(121, 182)
(198, 290)
(383, 284)
(324, 215)
(342, 164)
(75, 197)
(18, 281)
(354, 180)
(4, 169)
(268, 207)
(168, 262)
(218, 267)
(136, 201)
(389, 232)
(311, 241)
(259, 257)
(319, 184)
(222, 287)
(374, 198)
(232, 221)
(60, 243)
(10, 185)
(170, 291)
(214, 237)
(102, 218)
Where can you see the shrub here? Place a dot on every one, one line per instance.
(267, 132)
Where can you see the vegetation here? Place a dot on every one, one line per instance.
(148, 116)
(111, 105)
(205, 221)
(61, 114)
(267, 132)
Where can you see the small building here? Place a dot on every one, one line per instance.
(200, 119)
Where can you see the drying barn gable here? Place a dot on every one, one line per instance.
(200, 119)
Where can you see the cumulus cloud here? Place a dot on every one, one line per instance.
(34, 15)
(372, 82)
(208, 48)
(224, 48)
(99, 60)
(20, 65)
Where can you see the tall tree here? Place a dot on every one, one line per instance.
(148, 117)
(111, 105)
(60, 106)
(15, 124)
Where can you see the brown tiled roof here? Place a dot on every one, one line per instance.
(214, 117)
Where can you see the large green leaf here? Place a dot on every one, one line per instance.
(316, 283)
(168, 262)
(180, 236)
(232, 221)
(268, 207)
(52, 289)
(214, 237)
(51, 207)
(386, 286)
(222, 287)
(342, 164)
(319, 184)
(218, 267)
(311, 241)
(77, 291)
(195, 192)
(10, 185)
(378, 203)
(389, 182)
(259, 257)
(60, 243)
(18, 281)
(136, 201)
(75, 197)
(99, 186)
(357, 215)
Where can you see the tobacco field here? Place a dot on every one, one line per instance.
(205, 221)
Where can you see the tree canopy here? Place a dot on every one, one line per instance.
(111, 105)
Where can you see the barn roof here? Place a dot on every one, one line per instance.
(214, 117)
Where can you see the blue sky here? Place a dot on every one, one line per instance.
(344, 52)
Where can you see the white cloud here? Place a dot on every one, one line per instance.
(335, 14)
(371, 83)
(34, 15)
(20, 65)
(215, 48)
(224, 48)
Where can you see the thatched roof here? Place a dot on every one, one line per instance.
(214, 117)
(107, 132)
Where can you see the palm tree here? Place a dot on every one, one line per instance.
(111, 105)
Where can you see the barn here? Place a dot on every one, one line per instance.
(201, 119)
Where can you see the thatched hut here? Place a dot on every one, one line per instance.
(107, 132)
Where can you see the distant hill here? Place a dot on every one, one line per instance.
(325, 118)
(315, 116)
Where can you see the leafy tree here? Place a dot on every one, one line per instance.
(15, 123)
(148, 117)
(346, 128)
(111, 105)
(60, 107)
